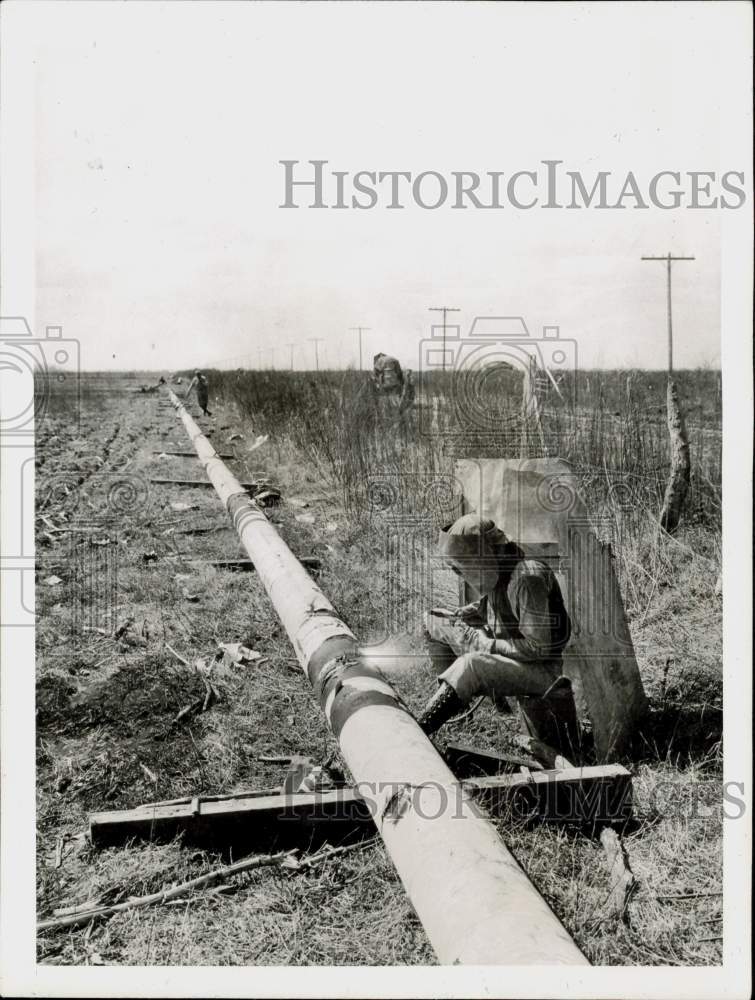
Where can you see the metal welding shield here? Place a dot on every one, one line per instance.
(472, 548)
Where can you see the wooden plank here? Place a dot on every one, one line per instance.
(573, 796)
(535, 502)
(248, 823)
(192, 454)
(468, 762)
(577, 796)
(246, 565)
(203, 529)
(159, 481)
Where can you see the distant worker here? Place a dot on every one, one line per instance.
(387, 374)
(203, 391)
(507, 643)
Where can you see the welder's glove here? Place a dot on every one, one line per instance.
(475, 639)
(468, 612)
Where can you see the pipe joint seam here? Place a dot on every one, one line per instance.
(345, 684)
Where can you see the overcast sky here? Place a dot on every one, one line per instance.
(160, 242)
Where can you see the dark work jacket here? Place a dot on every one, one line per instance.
(526, 614)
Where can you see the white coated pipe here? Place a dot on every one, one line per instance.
(476, 904)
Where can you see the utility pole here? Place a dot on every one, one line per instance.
(668, 259)
(679, 474)
(291, 348)
(272, 357)
(445, 310)
(259, 358)
(316, 341)
(360, 329)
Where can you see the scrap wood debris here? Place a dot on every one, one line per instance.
(237, 652)
(193, 706)
(623, 882)
(86, 913)
(293, 863)
(203, 702)
(269, 497)
(150, 774)
(257, 443)
(124, 627)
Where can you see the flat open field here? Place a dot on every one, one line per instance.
(130, 615)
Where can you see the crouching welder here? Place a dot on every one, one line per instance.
(506, 644)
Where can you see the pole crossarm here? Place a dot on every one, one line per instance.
(475, 902)
(445, 310)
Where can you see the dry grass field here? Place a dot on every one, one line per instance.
(127, 605)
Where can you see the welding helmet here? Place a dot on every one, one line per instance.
(472, 547)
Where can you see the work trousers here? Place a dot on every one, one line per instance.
(473, 671)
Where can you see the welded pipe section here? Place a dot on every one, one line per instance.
(476, 904)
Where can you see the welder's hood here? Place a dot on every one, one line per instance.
(472, 546)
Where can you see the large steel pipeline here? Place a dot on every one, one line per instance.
(476, 904)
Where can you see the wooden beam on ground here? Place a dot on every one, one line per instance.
(191, 454)
(245, 822)
(577, 796)
(203, 529)
(159, 481)
(246, 565)
(468, 762)
(582, 796)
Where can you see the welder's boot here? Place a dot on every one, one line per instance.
(443, 705)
